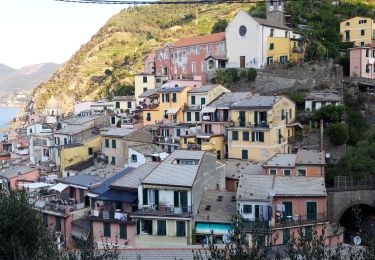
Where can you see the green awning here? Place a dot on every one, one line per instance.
(208, 228)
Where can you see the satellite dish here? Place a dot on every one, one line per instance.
(328, 155)
(357, 240)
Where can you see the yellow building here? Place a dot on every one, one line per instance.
(170, 108)
(360, 30)
(73, 153)
(204, 142)
(144, 82)
(260, 127)
(283, 49)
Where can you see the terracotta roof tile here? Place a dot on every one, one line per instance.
(216, 37)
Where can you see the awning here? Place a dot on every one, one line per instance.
(116, 195)
(173, 110)
(35, 185)
(59, 187)
(208, 228)
(208, 110)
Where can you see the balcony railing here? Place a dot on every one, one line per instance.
(112, 216)
(164, 210)
(194, 107)
(297, 220)
(257, 227)
(210, 118)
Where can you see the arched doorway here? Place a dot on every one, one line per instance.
(360, 217)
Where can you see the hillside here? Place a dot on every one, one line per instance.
(116, 52)
(25, 78)
(118, 49)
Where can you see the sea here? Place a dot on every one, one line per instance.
(6, 115)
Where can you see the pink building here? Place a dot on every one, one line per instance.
(18, 175)
(186, 58)
(284, 205)
(362, 61)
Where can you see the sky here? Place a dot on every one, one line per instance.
(39, 31)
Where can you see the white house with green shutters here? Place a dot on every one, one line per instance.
(169, 197)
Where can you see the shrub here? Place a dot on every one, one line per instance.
(243, 74)
(226, 76)
(338, 133)
(329, 114)
(219, 26)
(251, 74)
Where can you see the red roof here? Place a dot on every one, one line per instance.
(216, 37)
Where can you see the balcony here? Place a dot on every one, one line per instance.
(211, 118)
(298, 220)
(58, 204)
(116, 216)
(164, 211)
(194, 107)
(257, 227)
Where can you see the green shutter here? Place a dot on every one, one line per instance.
(123, 232)
(162, 98)
(138, 227)
(234, 135)
(193, 100)
(149, 231)
(253, 136)
(245, 136)
(188, 116)
(145, 197)
(255, 117)
(244, 155)
(311, 211)
(184, 201)
(203, 101)
(197, 116)
(156, 197)
(176, 202)
(174, 97)
(288, 209)
(178, 132)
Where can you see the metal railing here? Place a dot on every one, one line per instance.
(297, 220)
(110, 215)
(210, 118)
(348, 182)
(164, 210)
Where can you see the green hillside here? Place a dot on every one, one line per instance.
(117, 50)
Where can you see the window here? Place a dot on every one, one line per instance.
(273, 171)
(272, 32)
(347, 23)
(192, 100)
(57, 224)
(180, 229)
(162, 228)
(362, 32)
(257, 137)
(185, 140)
(114, 144)
(65, 141)
(367, 68)
(245, 136)
(288, 208)
(193, 68)
(197, 116)
(113, 120)
(203, 101)
(129, 104)
(286, 34)
(242, 118)
(148, 116)
(123, 232)
(208, 48)
(197, 49)
(81, 196)
(235, 135)
(106, 229)
(106, 141)
(134, 158)
(367, 52)
(272, 46)
(166, 97)
(301, 172)
(144, 227)
(117, 104)
(113, 160)
(247, 209)
(188, 116)
(30, 130)
(178, 132)
(144, 89)
(286, 172)
(150, 197)
(269, 60)
(242, 30)
(174, 97)
(311, 210)
(245, 155)
(283, 59)
(362, 43)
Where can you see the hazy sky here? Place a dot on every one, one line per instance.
(38, 31)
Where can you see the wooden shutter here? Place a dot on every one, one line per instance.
(176, 202)
(156, 197)
(145, 196)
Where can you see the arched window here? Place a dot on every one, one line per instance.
(211, 64)
(134, 158)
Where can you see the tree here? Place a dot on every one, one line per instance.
(251, 74)
(338, 133)
(226, 76)
(329, 114)
(23, 235)
(219, 26)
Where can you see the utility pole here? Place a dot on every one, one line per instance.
(321, 135)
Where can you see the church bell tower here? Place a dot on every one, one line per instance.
(275, 10)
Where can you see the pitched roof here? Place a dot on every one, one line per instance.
(311, 157)
(133, 178)
(221, 210)
(15, 170)
(171, 173)
(73, 129)
(79, 120)
(150, 92)
(281, 160)
(257, 102)
(208, 38)
(118, 132)
(225, 100)
(204, 88)
(259, 187)
(235, 168)
(83, 180)
(124, 98)
(105, 185)
(270, 23)
(146, 149)
(323, 96)
(175, 89)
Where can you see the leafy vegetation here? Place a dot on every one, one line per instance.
(226, 76)
(106, 63)
(220, 26)
(338, 133)
(251, 74)
(329, 114)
